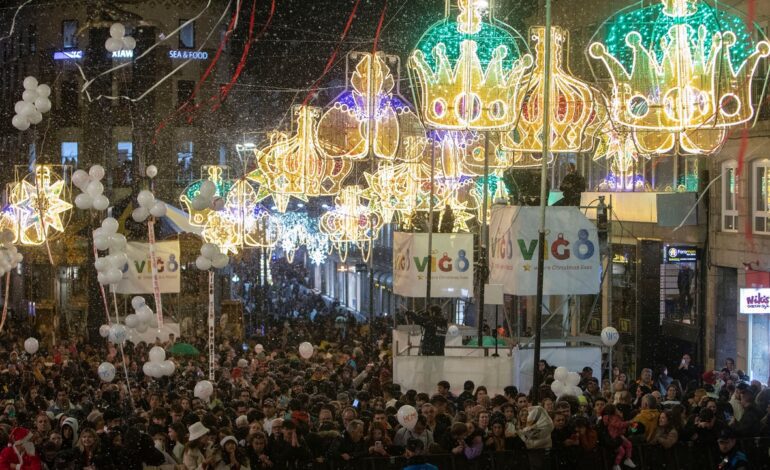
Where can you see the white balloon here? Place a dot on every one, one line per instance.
(145, 198)
(114, 275)
(144, 313)
(306, 350)
(31, 345)
(113, 44)
(218, 203)
(132, 321)
(209, 250)
(153, 323)
(100, 202)
(208, 189)
(36, 117)
(19, 106)
(557, 387)
(30, 83)
(137, 302)
(610, 336)
(102, 264)
(110, 225)
(203, 390)
(96, 172)
(203, 263)
(83, 201)
(158, 209)
(220, 261)
(43, 104)
(167, 367)
(157, 354)
(81, 179)
(573, 379)
(117, 30)
(577, 391)
(142, 328)
(101, 242)
(140, 214)
(407, 416)
(30, 96)
(118, 334)
(152, 170)
(106, 372)
(20, 122)
(129, 44)
(102, 278)
(118, 242)
(27, 109)
(95, 188)
(43, 91)
(453, 330)
(259, 348)
(199, 203)
(118, 260)
(104, 331)
(561, 374)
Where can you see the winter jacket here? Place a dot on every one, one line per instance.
(750, 423)
(615, 425)
(9, 460)
(667, 439)
(649, 418)
(537, 435)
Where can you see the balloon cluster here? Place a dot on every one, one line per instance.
(9, 255)
(211, 257)
(143, 317)
(31, 345)
(110, 268)
(207, 198)
(566, 382)
(148, 206)
(106, 371)
(118, 41)
(158, 366)
(203, 390)
(35, 101)
(90, 183)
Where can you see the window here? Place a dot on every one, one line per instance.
(762, 196)
(31, 38)
(184, 156)
(125, 152)
(187, 35)
(69, 153)
(70, 96)
(729, 194)
(69, 32)
(184, 89)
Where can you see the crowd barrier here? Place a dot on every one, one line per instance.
(646, 457)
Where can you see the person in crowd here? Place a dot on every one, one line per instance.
(20, 453)
(197, 453)
(615, 427)
(666, 434)
(730, 457)
(648, 416)
(537, 437)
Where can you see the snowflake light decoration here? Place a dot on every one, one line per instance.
(39, 204)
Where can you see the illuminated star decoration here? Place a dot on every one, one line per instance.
(351, 222)
(370, 117)
(294, 167)
(39, 205)
(617, 146)
(681, 74)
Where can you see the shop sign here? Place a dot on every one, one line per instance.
(188, 55)
(67, 55)
(681, 254)
(755, 301)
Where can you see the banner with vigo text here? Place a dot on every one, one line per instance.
(572, 264)
(137, 275)
(451, 268)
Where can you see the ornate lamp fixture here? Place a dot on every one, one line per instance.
(39, 204)
(681, 74)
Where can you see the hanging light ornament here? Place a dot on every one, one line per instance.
(467, 72)
(370, 117)
(294, 167)
(572, 104)
(351, 222)
(681, 73)
(39, 203)
(617, 146)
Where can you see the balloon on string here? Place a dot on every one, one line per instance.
(158, 209)
(20, 122)
(152, 170)
(110, 225)
(306, 350)
(30, 83)
(102, 242)
(36, 117)
(143, 327)
(203, 390)
(144, 313)
(30, 96)
(118, 334)
(610, 336)
(157, 354)
(106, 372)
(137, 302)
(118, 244)
(209, 250)
(43, 91)
(113, 44)
(117, 31)
(167, 367)
(557, 387)
(207, 189)
(96, 172)
(132, 321)
(561, 374)
(152, 369)
(407, 416)
(145, 199)
(573, 378)
(453, 330)
(102, 264)
(31, 345)
(203, 263)
(129, 43)
(42, 104)
(100, 202)
(104, 331)
(140, 214)
(220, 261)
(80, 179)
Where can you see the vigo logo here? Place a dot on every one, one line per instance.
(444, 264)
(172, 265)
(582, 249)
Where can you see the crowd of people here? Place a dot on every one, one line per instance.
(340, 408)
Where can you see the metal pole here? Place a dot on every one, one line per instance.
(543, 199)
(430, 227)
(483, 240)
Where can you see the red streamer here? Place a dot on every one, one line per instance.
(379, 27)
(226, 89)
(5, 301)
(751, 15)
(742, 151)
(333, 57)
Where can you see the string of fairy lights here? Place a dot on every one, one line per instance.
(680, 73)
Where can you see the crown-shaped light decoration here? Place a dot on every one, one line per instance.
(467, 72)
(571, 105)
(351, 221)
(294, 167)
(461, 153)
(39, 204)
(681, 74)
(370, 116)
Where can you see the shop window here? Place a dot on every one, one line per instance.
(69, 34)
(184, 90)
(729, 196)
(187, 35)
(69, 154)
(184, 158)
(125, 152)
(761, 196)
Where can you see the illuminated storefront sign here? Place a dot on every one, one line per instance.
(681, 254)
(68, 55)
(188, 55)
(755, 300)
(123, 54)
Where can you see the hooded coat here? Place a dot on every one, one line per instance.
(537, 433)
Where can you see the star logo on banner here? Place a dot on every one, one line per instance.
(527, 267)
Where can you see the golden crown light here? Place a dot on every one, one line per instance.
(467, 72)
(351, 221)
(571, 105)
(39, 204)
(371, 116)
(292, 166)
(681, 75)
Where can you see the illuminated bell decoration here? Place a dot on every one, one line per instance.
(39, 204)
(681, 74)
(467, 72)
(370, 116)
(571, 106)
(294, 167)
(351, 221)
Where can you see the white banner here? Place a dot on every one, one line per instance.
(571, 251)
(138, 274)
(451, 268)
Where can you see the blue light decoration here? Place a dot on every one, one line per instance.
(68, 55)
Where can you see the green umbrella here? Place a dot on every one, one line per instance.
(184, 349)
(487, 341)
